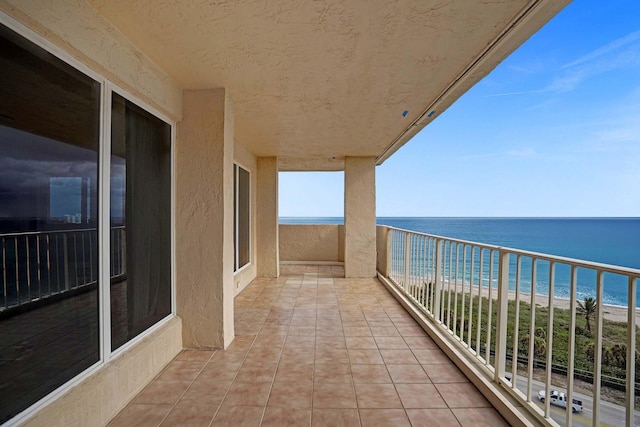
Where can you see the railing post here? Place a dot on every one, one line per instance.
(503, 312)
(389, 240)
(631, 351)
(65, 254)
(438, 282)
(407, 260)
(123, 251)
(597, 357)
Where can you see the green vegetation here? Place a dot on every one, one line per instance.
(614, 334)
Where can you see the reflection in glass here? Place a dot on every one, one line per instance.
(242, 216)
(140, 220)
(49, 138)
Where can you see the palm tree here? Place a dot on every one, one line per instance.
(539, 343)
(588, 310)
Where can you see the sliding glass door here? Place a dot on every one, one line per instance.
(53, 123)
(49, 144)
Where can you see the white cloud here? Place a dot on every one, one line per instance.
(523, 152)
(606, 49)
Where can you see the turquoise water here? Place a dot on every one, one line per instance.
(613, 241)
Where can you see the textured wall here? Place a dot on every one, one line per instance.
(360, 217)
(310, 242)
(204, 219)
(78, 29)
(100, 397)
(382, 236)
(267, 221)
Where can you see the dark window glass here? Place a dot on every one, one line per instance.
(140, 220)
(242, 217)
(49, 139)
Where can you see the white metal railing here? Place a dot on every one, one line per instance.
(466, 288)
(37, 265)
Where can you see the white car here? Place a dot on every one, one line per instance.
(560, 399)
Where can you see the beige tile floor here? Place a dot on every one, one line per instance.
(313, 348)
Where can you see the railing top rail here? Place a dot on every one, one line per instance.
(608, 268)
(69, 230)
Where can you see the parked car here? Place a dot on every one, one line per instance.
(560, 399)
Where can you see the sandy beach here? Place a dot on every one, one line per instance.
(614, 313)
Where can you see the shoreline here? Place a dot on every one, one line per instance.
(614, 313)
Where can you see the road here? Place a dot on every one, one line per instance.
(611, 415)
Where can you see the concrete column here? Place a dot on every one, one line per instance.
(360, 217)
(267, 218)
(204, 219)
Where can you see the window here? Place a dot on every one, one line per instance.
(241, 217)
(50, 139)
(49, 143)
(141, 208)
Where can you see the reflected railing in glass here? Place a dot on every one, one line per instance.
(40, 264)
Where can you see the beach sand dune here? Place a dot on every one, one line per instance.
(613, 313)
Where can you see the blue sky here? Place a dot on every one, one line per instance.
(553, 131)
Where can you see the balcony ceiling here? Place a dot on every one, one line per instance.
(315, 81)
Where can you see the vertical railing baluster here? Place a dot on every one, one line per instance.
(114, 244)
(532, 328)
(547, 401)
(479, 305)
(449, 280)
(407, 260)
(455, 292)
(26, 241)
(123, 250)
(49, 263)
(15, 240)
(389, 252)
(84, 259)
(631, 352)
(4, 272)
(490, 307)
(516, 327)
(65, 255)
(91, 257)
(572, 343)
(597, 357)
(464, 298)
(471, 268)
(438, 280)
(423, 275)
(38, 265)
(502, 315)
(75, 258)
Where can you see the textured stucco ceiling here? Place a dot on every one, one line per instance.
(317, 80)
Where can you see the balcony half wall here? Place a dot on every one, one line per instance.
(311, 243)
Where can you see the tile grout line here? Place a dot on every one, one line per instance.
(186, 389)
(232, 380)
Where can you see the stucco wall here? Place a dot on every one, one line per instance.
(311, 242)
(81, 32)
(101, 396)
(204, 219)
(268, 230)
(382, 235)
(360, 217)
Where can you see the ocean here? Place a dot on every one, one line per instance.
(613, 241)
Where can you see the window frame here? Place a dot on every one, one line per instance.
(107, 88)
(236, 218)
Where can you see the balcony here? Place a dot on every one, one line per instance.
(313, 348)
